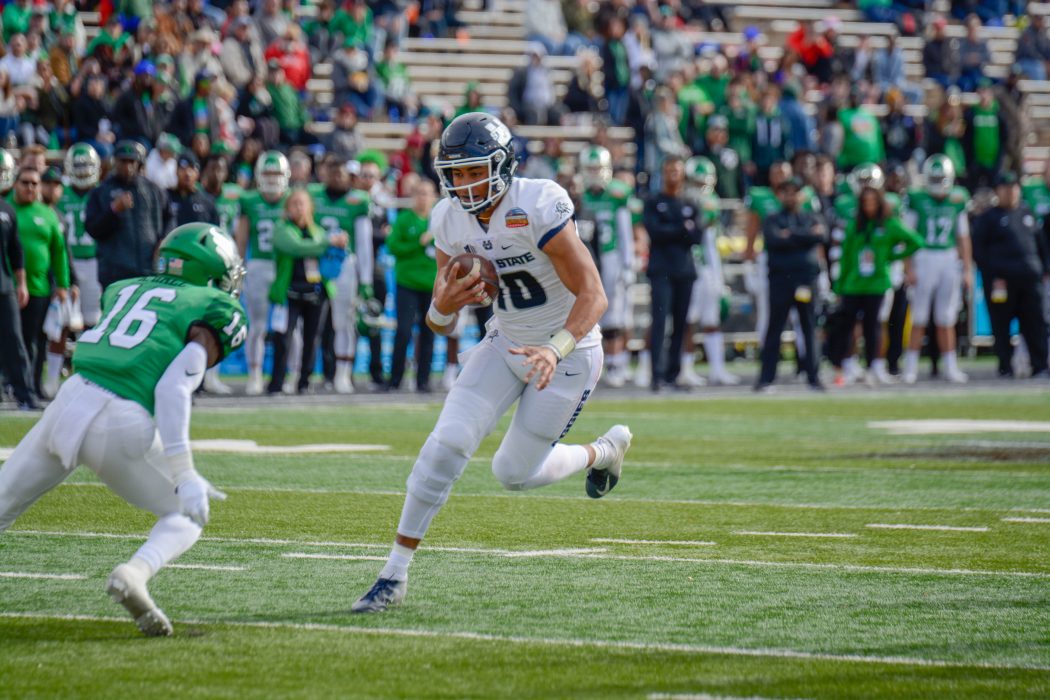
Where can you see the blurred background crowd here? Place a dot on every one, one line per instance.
(218, 109)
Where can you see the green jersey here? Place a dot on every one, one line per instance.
(763, 202)
(71, 206)
(45, 249)
(846, 206)
(606, 205)
(144, 326)
(863, 142)
(1036, 195)
(229, 205)
(339, 213)
(937, 220)
(263, 218)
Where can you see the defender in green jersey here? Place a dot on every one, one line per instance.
(705, 303)
(261, 212)
(83, 168)
(125, 413)
(338, 208)
(610, 210)
(939, 213)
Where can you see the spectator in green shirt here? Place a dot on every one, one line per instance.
(288, 109)
(862, 135)
(873, 240)
(356, 24)
(16, 18)
(985, 142)
(412, 245)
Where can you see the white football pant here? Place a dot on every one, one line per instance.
(258, 278)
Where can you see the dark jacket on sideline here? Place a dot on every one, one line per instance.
(126, 241)
(791, 240)
(674, 228)
(197, 206)
(11, 255)
(1009, 245)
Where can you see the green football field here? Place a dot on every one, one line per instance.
(767, 547)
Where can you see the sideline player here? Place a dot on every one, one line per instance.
(261, 211)
(125, 413)
(543, 345)
(615, 246)
(939, 214)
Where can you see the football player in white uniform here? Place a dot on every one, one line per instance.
(543, 346)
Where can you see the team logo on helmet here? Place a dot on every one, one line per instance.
(476, 140)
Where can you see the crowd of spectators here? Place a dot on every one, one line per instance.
(194, 80)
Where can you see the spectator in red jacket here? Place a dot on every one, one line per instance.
(293, 55)
(811, 45)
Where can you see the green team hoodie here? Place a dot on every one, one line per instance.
(867, 254)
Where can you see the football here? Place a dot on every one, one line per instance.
(468, 263)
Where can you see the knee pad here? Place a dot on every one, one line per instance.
(920, 315)
(441, 462)
(510, 470)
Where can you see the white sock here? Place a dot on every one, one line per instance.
(878, 365)
(397, 565)
(563, 461)
(170, 537)
(850, 364)
(644, 359)
(911, 362)
(716, 352)
(55, 360)
(950, 360)
(343, 366)
(688, 362)
(620, 359)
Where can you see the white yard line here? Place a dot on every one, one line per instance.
(704, 696)
(906, 526)
(617, 500)
(756, 533)
(596, 553)
(56, 577)
(555, 552)
(342, 557)
(1026, 520)
(676, 543)
(937, 426)
(206, 567)
(668, 647)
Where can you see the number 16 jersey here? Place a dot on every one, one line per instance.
(533, 303)
(145, 324)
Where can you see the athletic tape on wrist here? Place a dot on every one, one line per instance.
(439, 318)
(181, 466)
(562, 343)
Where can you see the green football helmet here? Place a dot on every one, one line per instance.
(369, 317)
(595, 166)
(866, 175)
(203, 255)
(938, 172)
(7, 171)
(83, 166)
(701, 174)
(272, 173)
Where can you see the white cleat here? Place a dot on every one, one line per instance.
(604, 474)
(687, 376)
(881, 376)
(910, 377)
(723, 378)
(343, 383)
(214, 385)
(255, 384)
(614, 377)
(291, 384)
(643, 374)
(126, 586)
(956, 376)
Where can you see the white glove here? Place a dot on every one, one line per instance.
(193, 494)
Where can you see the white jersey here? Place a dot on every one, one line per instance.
(533, 303)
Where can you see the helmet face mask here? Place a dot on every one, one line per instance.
(272, 174)
(83, 166)
(476, 140)
(595, 167)
(203, 255)
(938, 173)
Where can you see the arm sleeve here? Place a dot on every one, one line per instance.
(365, 252)
(15, 254)
(100, 222)
(908, 238)
(287, 243)
(910, 218)
(979, 240)
(962, 225)
(173, 396)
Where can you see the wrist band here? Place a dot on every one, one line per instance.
(562, 343)
(439, 318)
(181, 466)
